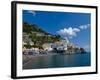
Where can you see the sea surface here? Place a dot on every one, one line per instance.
(57, 61)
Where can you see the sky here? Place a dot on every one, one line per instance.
(72, 26)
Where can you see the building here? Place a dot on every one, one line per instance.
(31, 43)
(38, 33)
(47, 46)
(60, 45)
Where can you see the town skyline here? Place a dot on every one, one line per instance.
(72, 26)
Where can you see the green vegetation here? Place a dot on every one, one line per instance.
(29, 28)
(38, 36)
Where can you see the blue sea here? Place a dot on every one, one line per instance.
(58, 61)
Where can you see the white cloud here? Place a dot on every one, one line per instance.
(84, 26)
(68, 32)
(32, 12)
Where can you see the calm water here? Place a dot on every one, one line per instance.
(54, 61)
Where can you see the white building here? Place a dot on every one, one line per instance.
(61, 45)
(47, 46)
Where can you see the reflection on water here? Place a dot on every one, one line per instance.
(54, 61)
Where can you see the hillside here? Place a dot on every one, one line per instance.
(33, 34)
(29, 28)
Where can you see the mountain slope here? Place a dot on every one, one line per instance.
(28, 28)
(37, 35)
